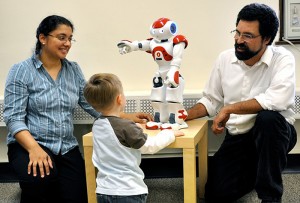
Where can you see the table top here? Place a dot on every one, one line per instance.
(196, 129)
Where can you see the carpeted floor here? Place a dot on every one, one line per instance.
(170, 190)
(165, 183)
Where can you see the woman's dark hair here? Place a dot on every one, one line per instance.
(47, 25)
(266, 16)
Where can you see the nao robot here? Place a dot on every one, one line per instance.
(166, 97)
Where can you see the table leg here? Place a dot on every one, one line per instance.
(90, 174)
(202, 164)
(189, 175)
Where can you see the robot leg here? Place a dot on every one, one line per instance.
(158, 102)
(160, 112)
(177, 114)
(175, 94)
(176, 110)
(161, 115)
(158, 92)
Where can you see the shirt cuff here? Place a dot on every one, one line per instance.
(209, 108)
(16, 127)
(261, 100)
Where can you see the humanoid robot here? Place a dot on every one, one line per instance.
(166, 97)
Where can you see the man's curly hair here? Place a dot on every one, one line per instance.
(266, 16)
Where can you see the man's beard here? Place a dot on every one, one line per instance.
(246, 53)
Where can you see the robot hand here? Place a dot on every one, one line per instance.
(127, 47)
(157, 80)
(172, 78)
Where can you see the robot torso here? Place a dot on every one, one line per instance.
(162, 52)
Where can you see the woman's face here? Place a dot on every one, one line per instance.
(58, 42)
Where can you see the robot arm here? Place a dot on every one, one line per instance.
(172, 78)
(177, 54)
(126, 46)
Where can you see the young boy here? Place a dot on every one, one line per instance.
(118, 143)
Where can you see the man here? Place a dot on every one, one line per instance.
(251, 93)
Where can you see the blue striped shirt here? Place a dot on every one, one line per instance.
(33, 101)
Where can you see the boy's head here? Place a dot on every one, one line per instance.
(103, 90)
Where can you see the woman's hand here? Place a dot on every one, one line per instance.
(38, 158)
(138, 117)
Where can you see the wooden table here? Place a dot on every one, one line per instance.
(195, 135)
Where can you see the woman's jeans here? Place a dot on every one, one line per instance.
(66, 182)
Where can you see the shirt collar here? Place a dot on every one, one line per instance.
(266, 57)
(38, 63)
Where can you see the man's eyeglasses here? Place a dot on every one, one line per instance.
(244, 36)
(63, 38)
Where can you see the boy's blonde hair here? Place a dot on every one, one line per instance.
(101, 90)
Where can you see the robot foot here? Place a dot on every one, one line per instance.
(183, 125)
(153, 125)
(169, 126)
(174, 126)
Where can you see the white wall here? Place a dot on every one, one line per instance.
(99, 25)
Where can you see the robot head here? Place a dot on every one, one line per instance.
(163, 28)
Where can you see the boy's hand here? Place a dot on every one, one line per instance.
(178, 133)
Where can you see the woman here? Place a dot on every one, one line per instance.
(41, 94)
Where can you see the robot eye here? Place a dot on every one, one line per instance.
(173, 28)
(161, 30)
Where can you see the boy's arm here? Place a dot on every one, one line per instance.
(155, 143)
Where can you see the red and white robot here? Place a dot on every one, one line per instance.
(167, 49)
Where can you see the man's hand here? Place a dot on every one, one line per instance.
(220, 121)
(250, 106)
